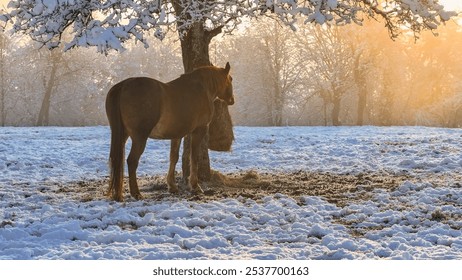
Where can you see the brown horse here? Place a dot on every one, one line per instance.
(142, 108)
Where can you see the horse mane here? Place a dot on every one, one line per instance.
(210, 77)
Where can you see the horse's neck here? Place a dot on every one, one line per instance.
(198, 80)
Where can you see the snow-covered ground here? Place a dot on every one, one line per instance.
(420, 219)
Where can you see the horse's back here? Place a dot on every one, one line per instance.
(136, 88)
(139, 100)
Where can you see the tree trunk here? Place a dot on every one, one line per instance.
(362, 101)
(386, 102)
(195, 47)
(278, 103)
(336, 110)
(2, 96)
(360, 80)
(2, 80)
(44, 115)
(195, 53)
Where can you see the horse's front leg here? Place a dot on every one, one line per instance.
(196, 139)
(174, 151)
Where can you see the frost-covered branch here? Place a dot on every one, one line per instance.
(408, 15)
(107, 24)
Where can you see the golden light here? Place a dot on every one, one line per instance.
(452, 5)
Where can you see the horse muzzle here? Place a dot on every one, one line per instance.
(230, 101)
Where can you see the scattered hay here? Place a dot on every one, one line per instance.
(247, 184)
(251, 175)
(337, 189)
(247, 180)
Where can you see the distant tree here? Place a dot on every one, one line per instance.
(284, 65)
(386, 73)
(251, 87)
(332, 63)
(435, 70)
(3, 84)
(277, 70)
(17, 103)
(54, 58)
(63, 79)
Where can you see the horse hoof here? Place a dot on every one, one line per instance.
(173, 189)
(137, 196)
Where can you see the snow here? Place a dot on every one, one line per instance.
(420, 219)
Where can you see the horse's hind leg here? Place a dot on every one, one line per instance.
(196, 140)
(138, 145)
(174, 151)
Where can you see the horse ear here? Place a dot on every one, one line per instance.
(227, 67)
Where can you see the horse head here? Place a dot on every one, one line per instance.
(226, 93)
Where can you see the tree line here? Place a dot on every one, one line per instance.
(318, 75)
(347, 75)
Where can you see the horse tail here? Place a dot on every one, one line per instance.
(118, 139)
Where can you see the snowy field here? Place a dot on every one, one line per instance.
(419, 219)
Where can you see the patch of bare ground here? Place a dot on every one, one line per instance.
(338, 189)
(334, 188)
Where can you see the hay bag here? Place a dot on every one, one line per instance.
(221, 135)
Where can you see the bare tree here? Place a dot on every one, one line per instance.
(285, 67)
(54, 58)
(331, 67)
(3, 86)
